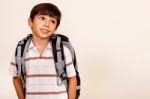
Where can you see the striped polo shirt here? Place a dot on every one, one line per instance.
(41, 76)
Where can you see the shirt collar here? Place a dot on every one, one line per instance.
(31, 46)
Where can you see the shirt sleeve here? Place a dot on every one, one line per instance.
(69, 63)
(12, 68)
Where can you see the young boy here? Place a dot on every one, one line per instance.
(41, 76)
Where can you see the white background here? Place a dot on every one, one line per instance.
(111, 38)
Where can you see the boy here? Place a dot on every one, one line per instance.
(41, 76)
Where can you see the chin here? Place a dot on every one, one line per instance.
(45, 36)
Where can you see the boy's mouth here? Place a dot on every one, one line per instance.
(45, 30)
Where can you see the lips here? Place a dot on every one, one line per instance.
(45, 30)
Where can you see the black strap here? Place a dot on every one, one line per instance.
(53, 39)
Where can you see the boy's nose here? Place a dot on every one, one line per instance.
(47, 23)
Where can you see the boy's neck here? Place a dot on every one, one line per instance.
(39, 42)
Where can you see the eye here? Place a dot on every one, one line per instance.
(53, 21)
(42, 18)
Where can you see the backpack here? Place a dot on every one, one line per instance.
(57, 41)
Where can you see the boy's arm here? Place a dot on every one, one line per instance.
(19, 88)
(72, 87)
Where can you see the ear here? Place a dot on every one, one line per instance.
(30, 22)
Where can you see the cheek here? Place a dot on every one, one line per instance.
(37, 24)
(36, 27)
(53, 27)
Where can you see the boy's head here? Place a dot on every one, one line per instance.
(46, 9)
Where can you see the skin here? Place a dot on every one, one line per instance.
(43, 27)
(18, 87)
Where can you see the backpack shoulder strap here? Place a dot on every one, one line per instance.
(58, 54)
(20, 52)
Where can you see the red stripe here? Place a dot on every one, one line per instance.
(45, 93)
(34, 58)
(42, 75)
(68, 64)
(14, 64)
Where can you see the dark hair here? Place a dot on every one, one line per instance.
(46, 9)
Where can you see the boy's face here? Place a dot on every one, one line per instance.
(43, 26)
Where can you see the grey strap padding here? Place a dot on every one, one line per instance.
(60, 63)
(58, 49)
(69, 46)
(24, 53)
(72, 51)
